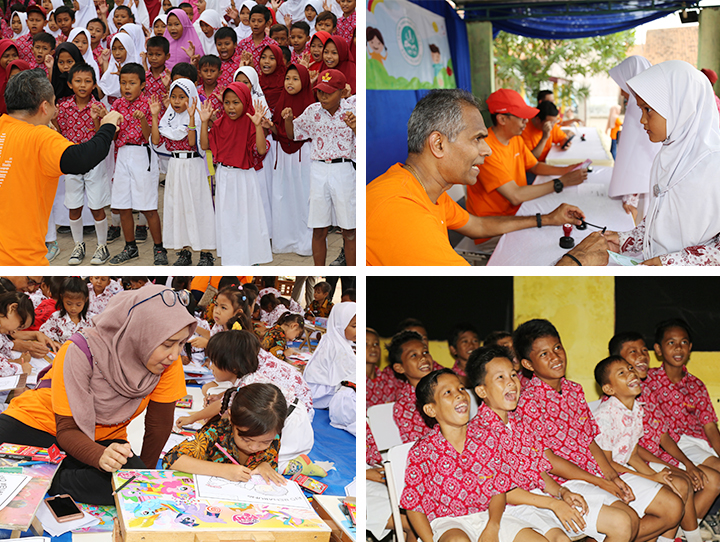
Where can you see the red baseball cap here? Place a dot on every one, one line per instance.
(510, 102)
(37, 8)
(331, 80)
(710, 74)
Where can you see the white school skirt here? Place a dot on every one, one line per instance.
(240, 225)
(188, 214)
(298, 436)
(342, 408)
(291, 202)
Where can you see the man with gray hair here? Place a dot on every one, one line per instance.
(408, 209)
(32, 158)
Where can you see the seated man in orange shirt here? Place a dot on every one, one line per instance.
(408, 211)
(502, 186)
(548, 96)
(543, 131)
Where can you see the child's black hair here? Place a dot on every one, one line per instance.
(224, 282)
(616, 343)
(268, 302)
(44, 37)
(459, 329)
(226, 32)
(283, 301)
(136, 279)
(395, 349)
(160, 42)
(100, 21)
(182, 5)
(476, 368)
(73, 285)
(425, 392)
(258, 408)
(252, 293)
(279, 28)
(239, 301)
(408, 323)
(6, 286)
(210, 60)
(54, 284)
(17, 6)
(526, 334)
(181, 283)
(349, 293)
(326, 15)
(602, 369)
(82, 68)
(371, 330)
(663, 326)
(65, 9)
(234, 351)
(186, 70)
(133, 68)
(324, 287)
(292, 318)
(129, 12)
(25, 309)
(286, 53)
(262, 10)
(495, 336)
(302, 25)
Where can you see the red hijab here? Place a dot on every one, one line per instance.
(4, 46)
(273, 84)
(323, 37)
(231, 141)
(297, 102)
(346, 63)
(16, 64)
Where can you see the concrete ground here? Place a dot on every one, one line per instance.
(66, 244)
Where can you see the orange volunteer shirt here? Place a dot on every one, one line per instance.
(532, 136)
(29, 173)
(404, 227)
(37, 408)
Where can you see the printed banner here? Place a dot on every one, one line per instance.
(407, 47)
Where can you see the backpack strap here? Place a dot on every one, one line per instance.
(79, 340)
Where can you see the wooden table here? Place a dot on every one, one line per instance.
(327, 507)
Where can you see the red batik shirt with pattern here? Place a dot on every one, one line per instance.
(215, 99)
(372, 454)
(519, 451)
(24, 46)
(228, 69)
(155, 87)
(563, 420)
(35, 65)
(385, 387)
(130, 131)
(331, 137)
(248, 44)
(97, 52)
(406, 415)
(297, 57)
(441, 482)
(687, 405)
(346, 27)
(706, 254)
(76, 125)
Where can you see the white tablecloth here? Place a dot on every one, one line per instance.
(535, 246)
(580, 150)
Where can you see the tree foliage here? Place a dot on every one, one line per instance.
(525, 63)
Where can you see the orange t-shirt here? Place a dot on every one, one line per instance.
(615, 129)
(404, 227)
(37, 408)
(201, 283)
(506, 163)
(29, 173)
(532, 136)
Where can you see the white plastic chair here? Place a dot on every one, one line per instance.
(395, 477)
(382, 424)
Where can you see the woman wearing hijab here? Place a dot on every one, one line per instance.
(87, 55)
(59, 77)
(635, 152)
(334, 359)
(180, 39)
(337, 56)
(110, 81)
(127, 362)
(213, 19)
(291, 169)
(682, 223)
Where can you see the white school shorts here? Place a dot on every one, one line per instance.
(659, 467)
(134, 187)
(94, 183)
(474, 524)
(645, 491)
(332, 188)
(595, 498)
(696, 449)
(543, 519)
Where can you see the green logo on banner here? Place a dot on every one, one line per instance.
(408, 41)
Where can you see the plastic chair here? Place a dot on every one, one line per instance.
(382, 425)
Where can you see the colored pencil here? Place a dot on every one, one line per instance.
(226, 454)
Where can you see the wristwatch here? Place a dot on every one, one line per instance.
(558, 185)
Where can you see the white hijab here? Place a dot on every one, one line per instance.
(294, 8)
(334, 360)
(23, 21)
(85, 14)
(136, 32)
(212, 18)
(318, 7)
(635, 153)
(162, 17)
(175, 125)
(243, 31)
(684, 192)
(257, 91)
(110, 82)
(112, 29)
(88, 56)
(55, 4)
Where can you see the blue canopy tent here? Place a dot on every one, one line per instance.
(389, 110)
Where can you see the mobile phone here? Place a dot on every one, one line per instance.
(64, 508)
(569, 139)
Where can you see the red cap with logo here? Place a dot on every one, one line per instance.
(331, 80)
(506, 101)
(36, 8)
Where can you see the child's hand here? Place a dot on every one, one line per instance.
(375, 475)
(569, 516)
(199, 342)
(232, 13)
(266, 123)
(625, 490)
(207, 387)
(206, 111)
(287, 113)
(166, 101)
(269, 474)
(275, 4)
(246, 58)
(350, 120)
(102, 8)
(305, 60)
(697, 476)
(236, 473)
(347, 91)
(313, 77)
(189, 50)
(489, 534)
(326, 5)
(288, 21)
(105, 56)
(155, 106)
(259, 113)
(49, 61)
(165, 78)
(138, 115)
(117, 69)
(191, 110)
(25, 357)
(209, 399)
(182, 421)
